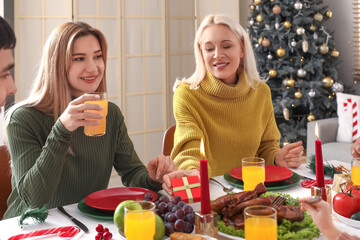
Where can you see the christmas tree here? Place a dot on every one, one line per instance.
(297, 57)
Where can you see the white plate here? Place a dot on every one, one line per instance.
(206, 237)
(229, 236)
(348, 221)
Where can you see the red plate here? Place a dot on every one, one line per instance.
(272, 173)
(109, 199)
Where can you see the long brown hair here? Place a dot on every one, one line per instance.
(51, 91)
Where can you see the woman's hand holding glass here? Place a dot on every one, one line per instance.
(75, 114)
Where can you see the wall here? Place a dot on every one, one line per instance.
(341, 24)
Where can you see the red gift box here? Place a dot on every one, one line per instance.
(188, 188)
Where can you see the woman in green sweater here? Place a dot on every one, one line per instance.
(225, 103)
(53, 161)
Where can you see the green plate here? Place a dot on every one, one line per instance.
(270, 186)
(95, 213)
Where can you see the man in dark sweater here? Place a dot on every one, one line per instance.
(7, 43)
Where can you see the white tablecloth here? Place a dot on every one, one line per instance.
(10, 227)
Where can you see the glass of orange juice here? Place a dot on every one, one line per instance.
(100, 129)
(253, 172)
(355, 171)
(260, 223)
(139, 220)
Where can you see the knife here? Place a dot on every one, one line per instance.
(74, 220)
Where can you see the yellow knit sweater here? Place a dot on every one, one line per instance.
(234, 121)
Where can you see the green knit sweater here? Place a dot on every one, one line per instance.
(234, 121)
(53, 166)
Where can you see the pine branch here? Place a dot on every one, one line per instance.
(37, 214)
(329, 169)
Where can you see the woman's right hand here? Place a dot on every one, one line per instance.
(75, 115)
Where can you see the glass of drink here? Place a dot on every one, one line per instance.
(260, 223)
(139, 220)
(100, 129)
(253, 172)
(355, 171)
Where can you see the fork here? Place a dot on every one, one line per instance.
(225, 189)
(279, 200)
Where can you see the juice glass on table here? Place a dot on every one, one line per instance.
(139, 220)
(260, 223)
(253, 172)
(355, 171)
(100, 129)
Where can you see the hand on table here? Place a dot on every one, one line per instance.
(177, 174)
(160, 166)
(75, 116)
(290, 155)
(355, 148)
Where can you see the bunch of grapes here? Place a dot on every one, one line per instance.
(177, 216)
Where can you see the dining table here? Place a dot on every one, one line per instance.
(10, 227)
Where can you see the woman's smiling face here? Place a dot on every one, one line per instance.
(87, 66)
(222, 52)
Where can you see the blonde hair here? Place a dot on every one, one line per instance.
(50, 93)
(247, 65)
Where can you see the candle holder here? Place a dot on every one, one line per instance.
(206, 224)
(323, 192)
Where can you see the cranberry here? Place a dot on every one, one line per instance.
(99, 228)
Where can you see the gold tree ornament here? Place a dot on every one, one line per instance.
(260, 40)
(311, 117)
(298, 94)
(287, 24)
(280, 52)
(318, 17)
(257, 2)
(290, 82)
(327, 81)
(266, 42)
(329, 14)
(259, 18)
(324, 49)
(312, 27)
(276, 9)
(252, 7)
(272, 73)
(335, 53)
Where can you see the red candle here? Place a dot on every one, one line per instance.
(204, 182)
(318, 160)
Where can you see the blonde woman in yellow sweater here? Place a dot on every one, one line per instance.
(225, 103)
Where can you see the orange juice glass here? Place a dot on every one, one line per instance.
(260, 223)
(100, 129)
(139, 223)
(253, 172)
(355, 171)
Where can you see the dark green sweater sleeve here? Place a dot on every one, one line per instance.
(36, 166)
(127, 163)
